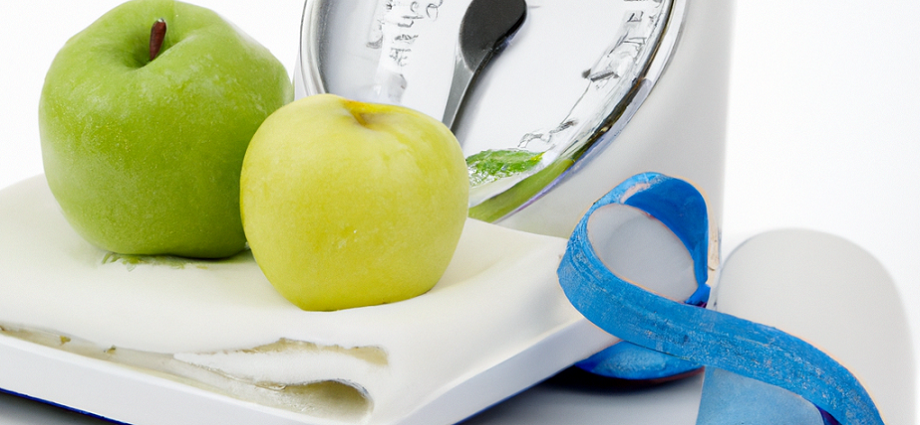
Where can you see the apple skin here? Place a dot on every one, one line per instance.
(143, 156)
(350, 204)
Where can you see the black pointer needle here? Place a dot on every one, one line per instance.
(485, 28)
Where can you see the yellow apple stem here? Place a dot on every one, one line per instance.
(157, 35)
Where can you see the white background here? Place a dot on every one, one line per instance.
(822, 131)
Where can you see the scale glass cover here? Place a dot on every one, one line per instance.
(548, 100)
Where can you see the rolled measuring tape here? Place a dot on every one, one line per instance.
(693, 334)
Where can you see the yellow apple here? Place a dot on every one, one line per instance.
(348, 204)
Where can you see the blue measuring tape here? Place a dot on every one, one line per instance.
(694, 334)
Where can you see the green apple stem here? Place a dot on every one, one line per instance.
(157, 35)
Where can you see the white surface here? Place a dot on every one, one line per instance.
(814, 282)
(497, 322)
(822, 128)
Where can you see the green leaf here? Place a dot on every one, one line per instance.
(491, 165)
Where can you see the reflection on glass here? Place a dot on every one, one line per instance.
(567, 82)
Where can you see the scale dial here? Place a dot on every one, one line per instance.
(561, 89)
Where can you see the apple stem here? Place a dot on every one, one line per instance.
(157, 35)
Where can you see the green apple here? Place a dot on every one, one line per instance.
(349, 204)
(143, 147)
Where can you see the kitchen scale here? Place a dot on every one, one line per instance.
(562, 89)
(599, 90)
